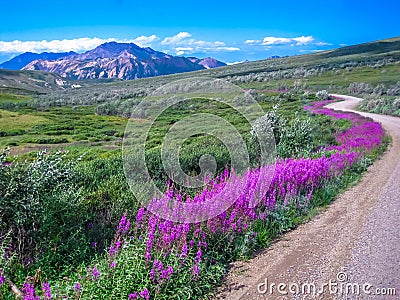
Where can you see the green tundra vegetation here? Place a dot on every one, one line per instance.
(60, 207)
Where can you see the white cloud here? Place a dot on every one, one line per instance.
(303, 40)
(323, 44)
(253, 42)
(183, 39)
(77, 45)
(183, 50)
(145, 41)
(200, 43)
(273, 40)
(189, 50)
(52, 46)
(230, 49)
(176, 39)
(183, 43)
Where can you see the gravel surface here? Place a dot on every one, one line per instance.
(355, 243)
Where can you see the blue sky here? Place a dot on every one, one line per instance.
(228, 30)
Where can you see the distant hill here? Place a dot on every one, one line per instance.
(376, 47)
(120, 60)
(208, 63)
(28, 82)
(20, 61)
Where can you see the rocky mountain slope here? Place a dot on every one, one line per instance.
(20, 61)
(120, 60)
(208, 62)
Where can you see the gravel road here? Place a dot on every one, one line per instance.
(350, 251)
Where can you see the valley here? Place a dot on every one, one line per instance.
(72, 223)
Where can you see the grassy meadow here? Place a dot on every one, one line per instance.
(71, 227)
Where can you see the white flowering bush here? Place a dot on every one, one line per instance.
(322, 95)
(297, 140)
(293, 139)
(271, 120)
(394, 90)
(378, 99)
(387, 105)
(357, 88)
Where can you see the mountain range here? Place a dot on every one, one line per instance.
(20, 61)
(110, 60)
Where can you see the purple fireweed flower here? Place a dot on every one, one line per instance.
(197, 232)
(113, 265)
(95, 274)
(1, 280)
(127, 226)
(139, 216)
(122, 223)
(168, 253)
(152, 275)
(133, 296)
(46, 290)
(199, 256)
(29, 292)
(114, 249)
(158, 265)
(148, 256)
(145, 294)
(149, 242)
(93, 244)
(77, 287)
(184, 251)
(118, 245)
(167, 273)
(195, 272)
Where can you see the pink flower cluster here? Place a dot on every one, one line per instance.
(243, 198)
(365, 134)
(256, 192)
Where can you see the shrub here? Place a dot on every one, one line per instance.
(360, 88)
(379, 90)
(394, 90)
(272, 120)
(32, 197)
(322, 95)
(296, 140)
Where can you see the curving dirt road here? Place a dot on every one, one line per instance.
(350, 251)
